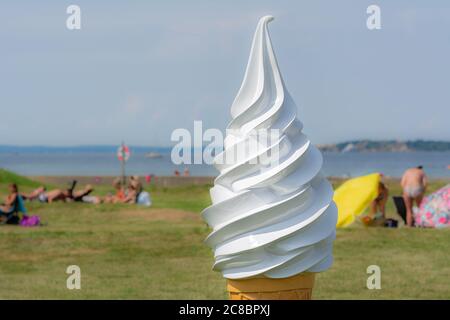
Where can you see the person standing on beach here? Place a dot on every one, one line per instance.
(414, 183)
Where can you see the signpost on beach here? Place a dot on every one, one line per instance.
(123, 154)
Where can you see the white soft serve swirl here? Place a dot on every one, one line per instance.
(270, 221)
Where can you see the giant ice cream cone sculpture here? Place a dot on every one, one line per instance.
(273, 224)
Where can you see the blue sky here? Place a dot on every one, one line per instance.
(139, 69)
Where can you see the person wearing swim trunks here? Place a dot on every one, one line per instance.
(414, 183)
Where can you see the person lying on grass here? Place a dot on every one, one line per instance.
(70, 195)
(82, 195)
(42, 195)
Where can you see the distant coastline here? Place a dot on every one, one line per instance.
(347, 146)
(386, 146)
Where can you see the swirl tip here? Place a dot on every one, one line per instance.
(267, 19)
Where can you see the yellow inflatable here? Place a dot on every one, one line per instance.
(354, 196)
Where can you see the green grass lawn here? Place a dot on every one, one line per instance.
(129, 252)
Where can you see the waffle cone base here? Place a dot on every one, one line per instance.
(298, 287)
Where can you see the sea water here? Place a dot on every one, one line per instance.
(348, 164)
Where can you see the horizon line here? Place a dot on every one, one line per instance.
(169, 146)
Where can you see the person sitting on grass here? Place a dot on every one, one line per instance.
(8, 206)
(119, 196)
(140, 196)
(377, 213)
(134, 189)
(378, 206)
(12, 206)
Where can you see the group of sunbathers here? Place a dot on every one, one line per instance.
(41, 194)
(121, 194)
(132, 194)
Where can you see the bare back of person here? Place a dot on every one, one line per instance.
(414, 183)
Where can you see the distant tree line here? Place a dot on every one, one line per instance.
(428, 145)
(388, 145)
